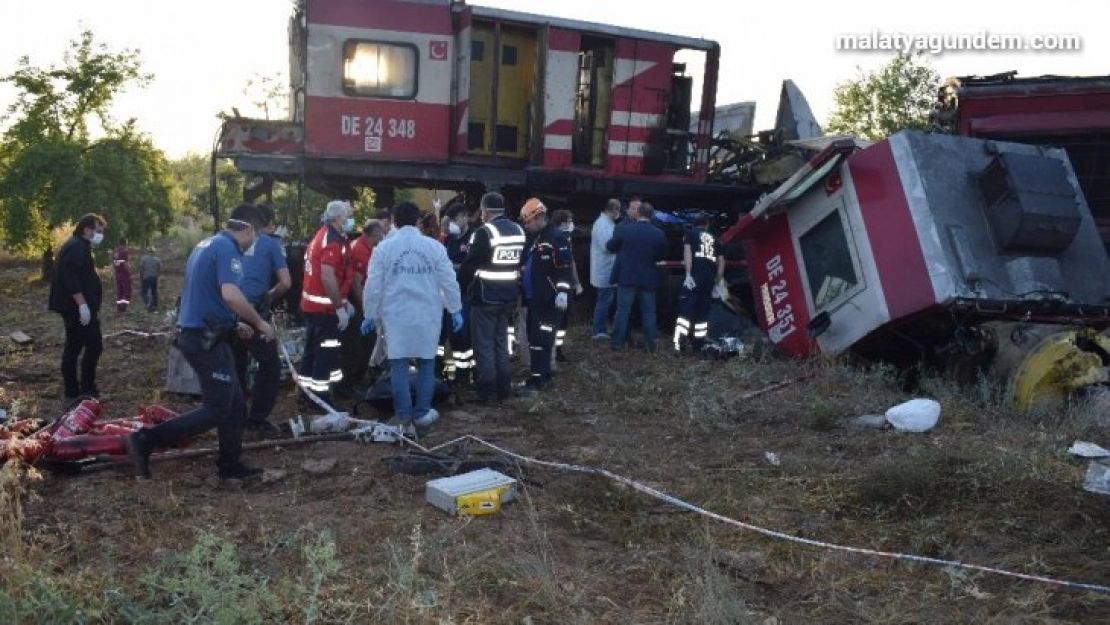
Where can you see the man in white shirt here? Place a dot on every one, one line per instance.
(601, 267)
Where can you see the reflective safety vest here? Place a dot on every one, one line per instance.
(497, 280)
(328, 247)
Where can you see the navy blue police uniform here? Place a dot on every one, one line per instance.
(205, 326)
(260, 263)
(547, 272)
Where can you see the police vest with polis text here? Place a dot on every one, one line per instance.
(497, 279)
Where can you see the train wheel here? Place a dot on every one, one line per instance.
(1043, 365)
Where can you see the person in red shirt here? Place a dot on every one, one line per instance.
(123, 276)
(325, 304)
(356, 348)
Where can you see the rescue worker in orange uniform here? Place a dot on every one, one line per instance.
(324, 303)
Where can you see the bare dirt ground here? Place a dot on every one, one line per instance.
(345, 539)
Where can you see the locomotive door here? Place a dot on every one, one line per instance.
(591, 103)
(502, 85)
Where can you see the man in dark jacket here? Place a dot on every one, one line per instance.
(490, 272)
(75, 294)
(547, 284)
(639, 246)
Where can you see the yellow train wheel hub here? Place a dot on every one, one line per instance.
(1044, 365)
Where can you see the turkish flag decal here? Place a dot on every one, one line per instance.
(437, 50)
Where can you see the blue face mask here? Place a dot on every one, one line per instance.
(349, 225)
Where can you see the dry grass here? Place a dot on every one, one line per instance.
(358, 544)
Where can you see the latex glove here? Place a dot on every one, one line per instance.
(561, 301)
(720, 291)
(689, 283)
(456, 321)
(344, 317)
(85, 314)
(578, 289)
(367, 327)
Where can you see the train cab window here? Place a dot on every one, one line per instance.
(508, 55)
(829, 265)
(477, 51)
(378, 69)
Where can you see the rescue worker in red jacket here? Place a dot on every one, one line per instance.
(324, 303)
(546, 282)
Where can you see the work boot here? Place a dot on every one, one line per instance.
(138, 451)
(238, 471)
(560, 355)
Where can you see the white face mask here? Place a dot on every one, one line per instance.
(568, 227)
(97, 238)
(454, 229)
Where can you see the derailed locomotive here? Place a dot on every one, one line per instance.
(971, 255)
(440, 94)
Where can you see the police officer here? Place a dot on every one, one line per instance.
(327, 311)
(547, 284)
(263, 265)
(704, 260)
(212, 308)
(490, 272)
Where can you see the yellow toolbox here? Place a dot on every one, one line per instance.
(474, 493)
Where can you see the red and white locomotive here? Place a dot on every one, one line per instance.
(438, 94)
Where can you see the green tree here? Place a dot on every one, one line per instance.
(895, 97)
(268, 94)
(53, 169)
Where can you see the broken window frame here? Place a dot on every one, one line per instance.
(808, 226)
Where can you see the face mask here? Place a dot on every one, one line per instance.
(568, 227)
(98, 238)
(454, 229)
(349, 225)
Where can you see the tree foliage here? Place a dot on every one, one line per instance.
(895, 97)
(55, 168)
(269, 95)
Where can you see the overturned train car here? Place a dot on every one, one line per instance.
(968, 254)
